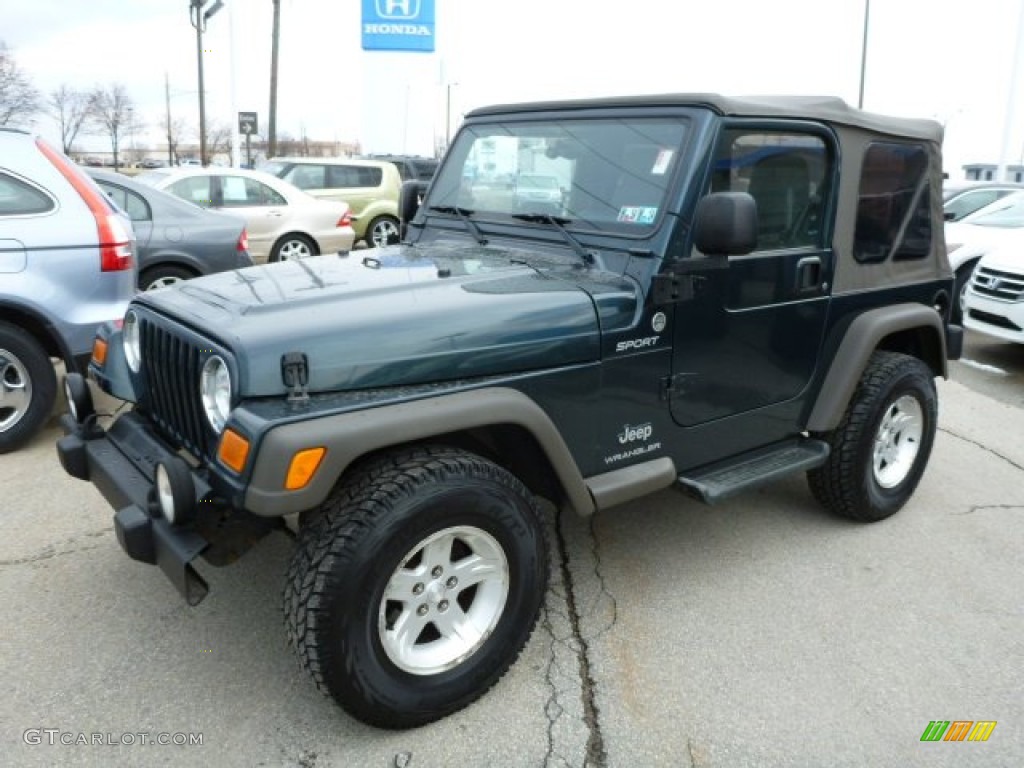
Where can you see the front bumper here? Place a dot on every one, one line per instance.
(121, 463)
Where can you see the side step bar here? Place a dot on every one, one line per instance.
(749, 470)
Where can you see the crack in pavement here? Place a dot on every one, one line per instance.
(986, 507)
(985, 448)
(596, 754)
(55, 550)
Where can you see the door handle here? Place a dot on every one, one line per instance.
(808, 274)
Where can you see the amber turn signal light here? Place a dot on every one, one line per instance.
(233, 450)
(304, 465)
(99, 351)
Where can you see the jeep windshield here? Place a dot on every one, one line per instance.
(592, 174)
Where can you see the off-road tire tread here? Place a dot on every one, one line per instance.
(837, 485)
(334, 533)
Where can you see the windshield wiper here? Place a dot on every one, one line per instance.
(464, 214)
(559, 223)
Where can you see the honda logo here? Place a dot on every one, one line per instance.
(398, 9)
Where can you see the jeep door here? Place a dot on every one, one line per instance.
(747, 342)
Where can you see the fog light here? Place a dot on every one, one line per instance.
(79, 398)
(175, 491)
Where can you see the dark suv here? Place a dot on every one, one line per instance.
(724, 292)
(411, 167)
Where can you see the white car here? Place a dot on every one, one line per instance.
(283, 222)
(994, 304)
(998, 225)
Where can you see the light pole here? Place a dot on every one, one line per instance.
(864, 54)
(199, 17)
(448, 118)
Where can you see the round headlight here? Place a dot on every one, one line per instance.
(215, 388)
(132, 341)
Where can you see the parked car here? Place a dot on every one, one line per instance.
(411, 167)
(999, 224)
(537, 193)
(961, 199)
(176, 240)
(370, 187)
(994, 305)
(66, 265)
(283, 222)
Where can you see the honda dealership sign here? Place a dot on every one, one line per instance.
(398, 25)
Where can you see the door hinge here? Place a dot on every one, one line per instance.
(675, 385)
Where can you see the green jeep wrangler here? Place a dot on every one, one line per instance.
(718, 293)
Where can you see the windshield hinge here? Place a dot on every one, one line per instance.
(295, 375)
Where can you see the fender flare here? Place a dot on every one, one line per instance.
(862, 338)
(349, 436)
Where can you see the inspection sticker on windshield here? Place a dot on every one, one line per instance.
(662, 162)
(638, 214)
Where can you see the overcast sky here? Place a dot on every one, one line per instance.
(926, 58)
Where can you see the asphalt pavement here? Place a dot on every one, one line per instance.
(762, 632)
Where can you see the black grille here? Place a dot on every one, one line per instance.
(997, 320)
(170, 365)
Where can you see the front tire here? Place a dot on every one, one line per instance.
(28, 387)
(881, 447)
(417, 586)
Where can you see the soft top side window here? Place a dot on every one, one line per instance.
(785, 172)
(893, 213)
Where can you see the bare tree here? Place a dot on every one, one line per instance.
(218, 140)
(114, 112)
(19, 99)
(175, 132)
(70, 108)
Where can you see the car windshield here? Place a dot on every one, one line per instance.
(608, 175)
(274, 168)
(1008, 212)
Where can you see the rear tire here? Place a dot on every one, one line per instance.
(292, 247)
(382, 231)
(163, 276)
(881, 447)
(28, 387)
(417, 586)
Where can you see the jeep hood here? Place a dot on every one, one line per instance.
(404, 315)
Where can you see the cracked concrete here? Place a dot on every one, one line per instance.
(672, 634)
(61, 548)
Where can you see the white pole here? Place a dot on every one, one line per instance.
(1011, 98)
(235, 153)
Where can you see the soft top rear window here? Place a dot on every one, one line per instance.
(893, 208)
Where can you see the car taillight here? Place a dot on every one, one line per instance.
(115, 242)
(243, 242)
(345, 220)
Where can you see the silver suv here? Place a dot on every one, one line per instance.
(67, 265)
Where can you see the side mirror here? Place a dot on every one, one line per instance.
(949, 215)
(725, 224)
(409, 199)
